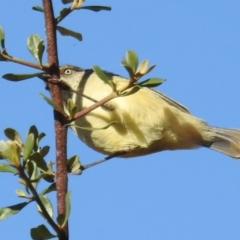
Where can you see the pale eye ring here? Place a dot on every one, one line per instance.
(68, 71)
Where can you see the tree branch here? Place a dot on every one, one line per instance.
(8, 58)
(60, 130)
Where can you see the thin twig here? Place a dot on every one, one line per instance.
(21, 61)
(94, 106)
(23, 175)
(84, 167)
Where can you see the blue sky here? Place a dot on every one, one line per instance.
(169, 195)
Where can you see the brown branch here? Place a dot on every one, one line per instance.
(8, 58)
(60, 130)
(95, 105)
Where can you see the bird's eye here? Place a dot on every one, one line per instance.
(67, 71)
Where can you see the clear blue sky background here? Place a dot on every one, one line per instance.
(169, 195)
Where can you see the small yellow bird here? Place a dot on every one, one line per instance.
(145, 122)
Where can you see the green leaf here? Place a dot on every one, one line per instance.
(11, 210)
(33, 130)
(67, 32)
(40, 136)
(142, 69)
(2, 38)
(90, 128)
(28, 146)
(103, 76)
(10, 150)
(71, 107)
(132, 90)
(66, 1)
(63, 13)
(13, 135)
(132, 60)
(41, 232)
(49, 189)
(150, 68)
(47, 204)
(37, 158)
(62, 219)
(19, 77)
(36, 47)
(37, 8)
(21, 193)
(151, 82)
(73, 164)
(7, 168)
(128, 68)
(44, 151)
(97, 8)
(47, 176)
(53, 104)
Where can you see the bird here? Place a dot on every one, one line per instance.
(139, 124)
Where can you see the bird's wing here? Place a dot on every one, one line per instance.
(171, 101)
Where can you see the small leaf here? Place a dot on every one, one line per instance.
(37, 158)
(28, 146)
(19, 77)
(53, 104)
(37, 8)
(67, 1)
(128, 68)
(103, 76)
(67, 32)
(76, 4)
(13, 135)
(36, 47)
(63, 13)
(7, 168)
(150, 68)
(97, 8)
(73, 164)
(47, 204)
(90, 128)
(47, 176)
(33, 130)
(44, 151)
(151, 82)
(132, 59)
(21, 193)
(62, 219)
(40, 136)
(142, 69)
(2, 38)
(71, 107)
(132, 90)
(32, 172)
(51, 188)
(10, 151)
(11, 210)
(41, 232)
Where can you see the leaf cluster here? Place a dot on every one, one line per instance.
(27, 160)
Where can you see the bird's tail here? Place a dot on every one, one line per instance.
(226, 141)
